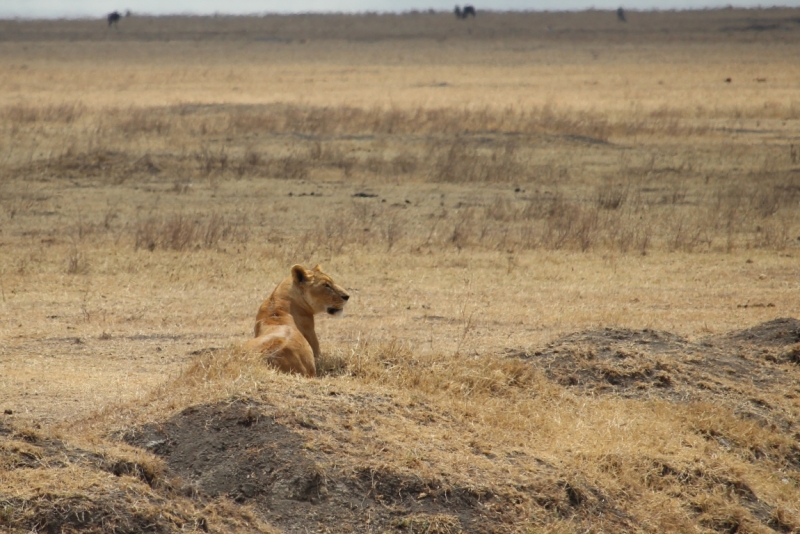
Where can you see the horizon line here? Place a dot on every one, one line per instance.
(261, 14)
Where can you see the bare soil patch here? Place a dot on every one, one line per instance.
(241, 451)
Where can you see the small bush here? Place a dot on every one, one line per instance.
(181, 232)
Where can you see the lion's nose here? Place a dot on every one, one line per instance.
(345, 297)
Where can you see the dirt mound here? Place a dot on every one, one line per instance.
(204, 444)
(742, 366)
(776, 333)
(50, 486)
(299, 458)
(241, 451)
(247, 451)
(623, 361)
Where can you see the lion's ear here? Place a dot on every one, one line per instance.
(299, 274)
(318, 268)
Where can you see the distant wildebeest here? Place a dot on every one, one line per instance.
(464, 13)
(113, 18)
(621, 15)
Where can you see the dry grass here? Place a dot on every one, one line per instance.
(686, 200)
(480, 189)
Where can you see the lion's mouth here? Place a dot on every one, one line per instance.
(334, 311)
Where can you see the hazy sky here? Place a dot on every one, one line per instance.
(97, 8)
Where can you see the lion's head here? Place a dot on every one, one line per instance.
(320, 292)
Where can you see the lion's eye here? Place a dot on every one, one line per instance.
(328, 286)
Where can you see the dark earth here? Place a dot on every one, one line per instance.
(650, 363)
(239, 450)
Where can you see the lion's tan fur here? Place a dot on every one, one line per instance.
(284, 329)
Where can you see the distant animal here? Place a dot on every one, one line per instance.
(284, 330)
(113, 18)
(621, 15)
(464, 13)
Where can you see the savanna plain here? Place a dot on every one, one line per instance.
(572, 246)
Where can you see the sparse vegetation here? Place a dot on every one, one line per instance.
(566, 257)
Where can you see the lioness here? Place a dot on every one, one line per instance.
(285, 321)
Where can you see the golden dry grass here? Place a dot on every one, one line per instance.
(481, 189)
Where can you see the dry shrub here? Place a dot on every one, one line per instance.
(611, 196)
(23, 200)
(756, 214)
(210, 160)
(687, 236)
(365, 225)
(404, 163)
(334, 234)
(96, 161)
(376, 163)
(250, 162)
(570, 224)
(295, 166)
(244, 119)
(144, 121)
(76, 261)
(329, 236)
(292, 167)
(772, 235)
(61, 113)
(552, 223)
(460, 161)
(464, 228)
(589, 126)
(181, 232)
(347, 120)
(393, 229)
(771, 196)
